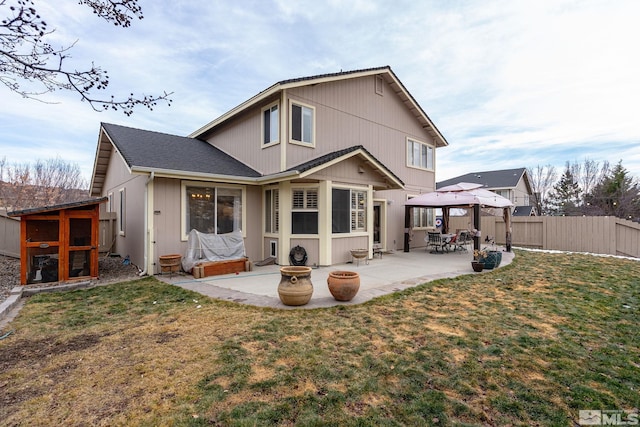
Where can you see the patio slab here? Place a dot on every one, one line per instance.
(392, 272)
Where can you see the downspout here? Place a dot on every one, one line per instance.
(146, 223)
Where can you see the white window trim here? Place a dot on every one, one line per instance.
(356, 233)
(277, 141)
(433, 157)
(306, 209)
(122, 211)
(110, 202)
(433, 216)
(183, 203)
(271, 233)
(312, 144)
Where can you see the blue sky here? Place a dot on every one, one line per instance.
(509, 83)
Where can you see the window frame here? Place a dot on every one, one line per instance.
(430, 155)
(353, 213)
(416, 212)
(269, 108)
(302, 105)
(202, 184)
(306, 208)
(122, 211)
(272, 211)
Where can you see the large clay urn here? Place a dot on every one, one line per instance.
(343, 285)
(295, 286)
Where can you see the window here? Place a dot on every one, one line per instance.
(358, 210)
(302, 118)
(122, 211)
(110, 207)
(419, 155)
(272, 211)
(304, 211)
(270, 125)
(423, 217)
(349, 210)
(215, 210)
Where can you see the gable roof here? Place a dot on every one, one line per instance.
(327, 160)
(146, 151)
(386, 72)
(507, 178)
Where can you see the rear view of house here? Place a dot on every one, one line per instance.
(325, 163)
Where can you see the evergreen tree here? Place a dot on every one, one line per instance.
(565, 198)
(617, 194)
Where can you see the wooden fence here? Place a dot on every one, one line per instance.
(9, 236)
(108, 224)
(594, 234)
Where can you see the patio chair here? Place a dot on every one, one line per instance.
(434, 241)
(463, 240)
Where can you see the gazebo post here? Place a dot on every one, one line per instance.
(476, 225)
(407, 223)
(507, 223)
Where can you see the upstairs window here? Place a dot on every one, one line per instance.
(302, 123)
(270, 125)
(419, 155)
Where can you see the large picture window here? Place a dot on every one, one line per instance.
(349, 210)
(270, 125)
(304, 211)
(419, 154)
(214, 210)
(302, 123)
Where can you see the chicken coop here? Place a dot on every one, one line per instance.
(59, 243)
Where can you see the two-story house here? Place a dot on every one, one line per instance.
(324, 162)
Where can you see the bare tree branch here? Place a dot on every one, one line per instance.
(27, 59)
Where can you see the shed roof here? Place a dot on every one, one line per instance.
(62, 206)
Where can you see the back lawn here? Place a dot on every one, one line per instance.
(528, 344)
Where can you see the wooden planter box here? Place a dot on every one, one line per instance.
(216, 268)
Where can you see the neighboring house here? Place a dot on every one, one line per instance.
(325, 162)
(513, 184)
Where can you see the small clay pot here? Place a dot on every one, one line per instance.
(343, 285)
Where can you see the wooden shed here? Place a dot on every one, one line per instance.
(59, 243)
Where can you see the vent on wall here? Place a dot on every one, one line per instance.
(273, 248)
(379, 85)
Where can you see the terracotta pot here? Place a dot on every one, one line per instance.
(295, 286)
(343, 285)
(170, 263)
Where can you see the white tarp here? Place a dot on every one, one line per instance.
(203, 247)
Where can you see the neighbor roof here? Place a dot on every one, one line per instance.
(389, 76)
(507, 178)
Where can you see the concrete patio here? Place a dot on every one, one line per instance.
(382, 275)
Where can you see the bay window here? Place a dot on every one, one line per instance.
(304, 211)
(349, 210)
